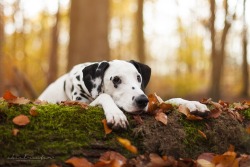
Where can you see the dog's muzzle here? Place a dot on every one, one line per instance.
(141, 101)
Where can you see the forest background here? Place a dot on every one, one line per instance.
(196, 48)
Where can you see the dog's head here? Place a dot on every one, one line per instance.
(124, 81)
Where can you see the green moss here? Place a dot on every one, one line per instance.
(57, 131)
(246, 113)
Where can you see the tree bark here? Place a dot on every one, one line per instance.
(1, 49)
(89, 20)
(53, 55)
(245, 73)
(140, 33)
(218, 50)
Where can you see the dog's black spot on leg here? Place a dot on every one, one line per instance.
(72, 88)
(133, 88)
(78, 98)
(110, 78)
(75, 93)
(64, 86)
(78, 77)
(133, 97)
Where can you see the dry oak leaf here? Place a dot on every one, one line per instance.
(79, 162)
(161, 117)
(205, 160)
(202, 134)
(21, 120)
(8, 95)
(106, 128)
(109, 156)
(153, 103)
(156, 160)
(112, 163)
(33, 111)
(127, 144)
(15, 131)
(184, 110)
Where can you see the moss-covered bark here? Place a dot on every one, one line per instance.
(59, 132)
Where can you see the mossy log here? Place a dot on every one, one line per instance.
(59, 132)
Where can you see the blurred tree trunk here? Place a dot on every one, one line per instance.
(89, 22)
(140, 34)
(53, 55)
(218, 49)
(245, 73)
(1, 49)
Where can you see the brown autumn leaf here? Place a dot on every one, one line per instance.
(153, 103)
(215, 113)
(202, 134)
(79, 162)
(228, 159)
(21, 120)
(138, 119)
(205, 160)
(165, 107)
(112, 163)
(161, 117)
(54, 165)
(74, 103)
(240, 106)
(33, 111)
(15, 131)
(184, 110)
(106, 128)
(112, 155)
(19, 101)
(127, 144)
(8, 96)
(156, 160)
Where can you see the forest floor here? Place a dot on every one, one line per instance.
(35, 133)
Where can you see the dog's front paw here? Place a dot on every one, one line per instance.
(197, 108)
(116, 119)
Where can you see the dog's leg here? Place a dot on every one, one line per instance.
(115, 117)
(194, 107)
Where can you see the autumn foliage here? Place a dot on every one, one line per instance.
(159, 110)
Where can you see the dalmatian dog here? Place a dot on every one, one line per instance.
(116, 85)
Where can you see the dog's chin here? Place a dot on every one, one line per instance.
(134, 112)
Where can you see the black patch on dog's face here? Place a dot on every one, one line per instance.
(94, 71)
(116, 81)
(145, 72)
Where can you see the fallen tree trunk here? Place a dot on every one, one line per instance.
(58, 132)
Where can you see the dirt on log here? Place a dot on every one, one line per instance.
(56, 132)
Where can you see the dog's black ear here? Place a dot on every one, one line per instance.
(93, 71)
(144, 70)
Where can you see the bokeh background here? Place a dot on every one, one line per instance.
(196, 48)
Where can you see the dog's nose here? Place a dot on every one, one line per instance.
(141, 101)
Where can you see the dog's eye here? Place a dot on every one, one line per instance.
(138, 78)
(117, 80)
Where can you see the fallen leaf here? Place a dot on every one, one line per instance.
(19, 100)
(106, 128)
(184, 110)
(240, 106)
(165, 107)
(112, 155)
(8, 95)
(161, 117)
(156, 160)
(15, 131)
(215, 113)
(205, 160)
(153, 103)
(225, 160)
(248, 130)
(74, 103)
(33, 111)
(138, 119)
(79, 162)
(112, 163)
(202, 134)
(21, 120)
(127, 144)
(54, 165)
